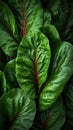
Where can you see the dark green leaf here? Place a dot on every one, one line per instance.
(51, 117)
(3, 88)
(7, 19)
(17, 111)
(46, 18)
(64, 20)
(11, 75)
(67, 33)
(53, 6)
(61, 17)
(8, 31)
(54, 38)
(59, 123)
(69, 103)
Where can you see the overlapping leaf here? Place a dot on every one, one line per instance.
(53, 6)
(10, 74)
(32, 62)
(52, 115)
(62, 13)
(69, 103)
(63, 20)
(19, 18)
(3, 87)
(17, 111)
(47, 18)
(50, 118)
(67, 33)
(61, 70)
(29, 17)
(8, 31)
(53, 35)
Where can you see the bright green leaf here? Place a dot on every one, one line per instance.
(32, 62)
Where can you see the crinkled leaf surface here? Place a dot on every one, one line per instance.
(61, 71)
(32, 62)
(52, 34)
(51, 117)
(8, 31)
(28, 13)
(17, 111)
(59, 123)
(3, 87)
(10, 74)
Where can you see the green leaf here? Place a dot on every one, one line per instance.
(50, 118)
(17, 111)
(59, 123)
(53, 6)
(29, 14)
(32, 62)
(3, 87)
(64, 20)
(8, 31)
(60, 19)
(69, 103)
(61, 70)
(52, 34)
(10, 74)
(7, 18)
(46, 18)
(67, 33)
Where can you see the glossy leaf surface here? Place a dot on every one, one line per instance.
(8, 31)
(50, 118)
(29, 17)
(32, 62)
(17, 111)
(61, 71)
